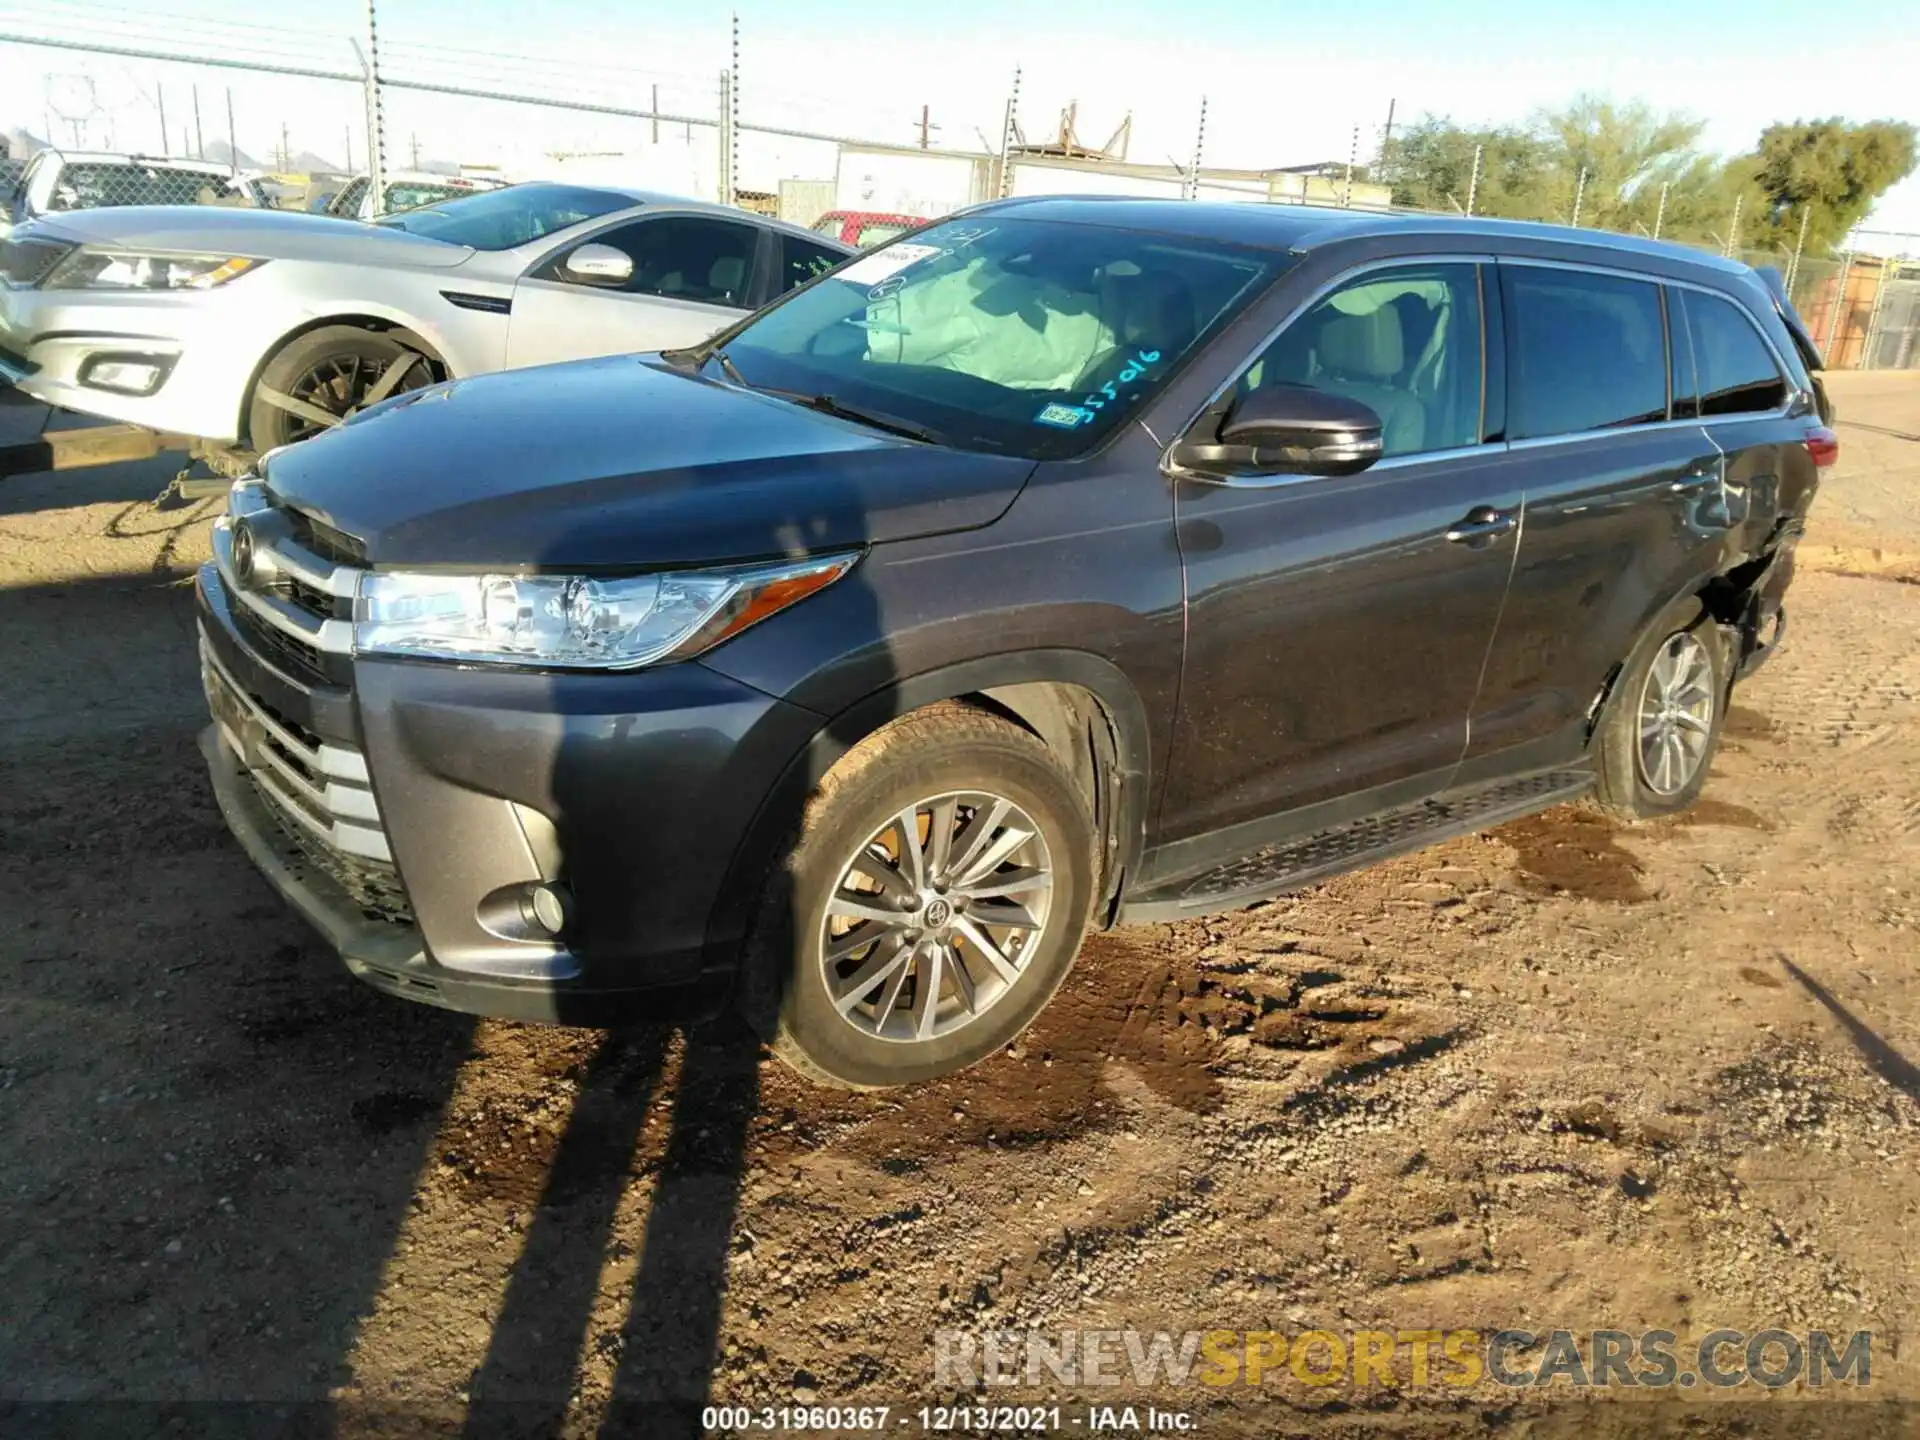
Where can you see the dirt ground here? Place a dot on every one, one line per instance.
(1558, 1075)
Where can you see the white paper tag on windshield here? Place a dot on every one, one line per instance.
(872, 269)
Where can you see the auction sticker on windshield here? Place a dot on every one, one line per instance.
(872, 269)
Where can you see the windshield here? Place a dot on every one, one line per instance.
(502, 219)
(1036, 338)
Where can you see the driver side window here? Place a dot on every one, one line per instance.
(686, 257)
(1404, 342)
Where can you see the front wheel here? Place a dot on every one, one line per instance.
(1662, 723)
(933, 902)
(318, 379)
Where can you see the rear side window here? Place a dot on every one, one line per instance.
(802, 260)
(1585, 351)
(1737, 372)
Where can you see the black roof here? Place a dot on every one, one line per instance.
(1301, 228)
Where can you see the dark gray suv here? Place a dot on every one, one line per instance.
(1065, 562)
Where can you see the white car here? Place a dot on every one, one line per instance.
(57, 182)
(261, 327)
(405, 190)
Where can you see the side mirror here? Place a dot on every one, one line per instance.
(599, 265)
(1288, 430)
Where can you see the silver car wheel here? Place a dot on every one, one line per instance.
(934, 918)
(1676, 715)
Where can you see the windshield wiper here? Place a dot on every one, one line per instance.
(827, 405)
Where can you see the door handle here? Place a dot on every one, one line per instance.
(1480, 525)
(1698, 477)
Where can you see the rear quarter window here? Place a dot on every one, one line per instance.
(1737, 372)
(1586, 351)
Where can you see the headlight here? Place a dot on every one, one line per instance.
(576, 621)
(89, 269)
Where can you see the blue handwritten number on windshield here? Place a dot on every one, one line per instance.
(1135, 367)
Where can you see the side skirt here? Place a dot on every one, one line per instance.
(1353, 845)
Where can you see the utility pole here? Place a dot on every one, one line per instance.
(286, 147)
(656, 112)
(1733, 229)
(1386, 137)
(1353, 158)
(233, 137)
(926, 116)
(349, 139)
(413, 138)
(1473, 184)
(1660, 215)
(1579, 194)
(160, 99)
(199, 140)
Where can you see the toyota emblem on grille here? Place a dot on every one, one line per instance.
(243, 552)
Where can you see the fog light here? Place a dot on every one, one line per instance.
(551, 907)
(125, 374)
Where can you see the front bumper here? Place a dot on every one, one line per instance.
(634, 791)
(48, 336)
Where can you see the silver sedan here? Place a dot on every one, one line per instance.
(261, 327)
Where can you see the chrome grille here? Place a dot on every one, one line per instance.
(317, 791)
(293, 598)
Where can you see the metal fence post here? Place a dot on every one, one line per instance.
(1793, 265)
(1199, 142)
(1006, 137)
(1839, 302)
(1473, 184)
(725, 185)
(1874, 313)
(376, 116)
(733, 119)
(1660, 215)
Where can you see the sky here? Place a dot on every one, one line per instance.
(1282, 84)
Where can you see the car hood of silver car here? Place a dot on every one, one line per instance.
(265, 234)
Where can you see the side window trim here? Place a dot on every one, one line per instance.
(1306, 303)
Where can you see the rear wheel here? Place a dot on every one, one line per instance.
(320, 378)
(1662, 724)
(933, 903)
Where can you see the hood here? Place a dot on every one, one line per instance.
(622, 463)
(269, 234)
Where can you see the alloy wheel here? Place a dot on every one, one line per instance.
(935, 917)
(1676, 714)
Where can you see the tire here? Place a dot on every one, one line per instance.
(1665, 775)
(973, 761)
(332, 367)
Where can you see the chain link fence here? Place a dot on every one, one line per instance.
(322, 113)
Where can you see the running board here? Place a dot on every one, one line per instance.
(1352, 846)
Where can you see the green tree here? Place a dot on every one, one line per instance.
(1828, 171)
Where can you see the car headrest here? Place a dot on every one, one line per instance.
(1363, 346)
(727, 273)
